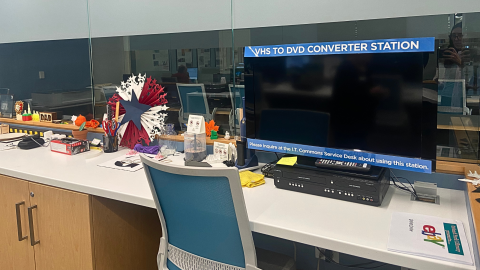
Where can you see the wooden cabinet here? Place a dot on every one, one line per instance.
(61, 229)
(62, 225)
(15, 253)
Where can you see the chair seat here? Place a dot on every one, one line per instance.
(269, 260)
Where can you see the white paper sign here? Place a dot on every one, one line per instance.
(430, 237)
(220, 150)
(196, 124)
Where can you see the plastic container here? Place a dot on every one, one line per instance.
(195, 146)
(110, 144)
(170, 139)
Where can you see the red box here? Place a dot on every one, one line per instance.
(69, 146)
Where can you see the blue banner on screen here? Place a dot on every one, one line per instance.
(402, 163)
(344, 47)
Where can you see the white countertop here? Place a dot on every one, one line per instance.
(346, 227)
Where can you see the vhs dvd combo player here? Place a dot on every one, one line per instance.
(360, 187)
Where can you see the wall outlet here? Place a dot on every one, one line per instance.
(41, 74)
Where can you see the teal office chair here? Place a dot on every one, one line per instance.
(204, 219)
(453, 97)
(193, 100)
(236, 95)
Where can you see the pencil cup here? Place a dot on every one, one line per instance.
(110, 144)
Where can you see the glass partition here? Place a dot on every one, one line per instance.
(45, 58)
(194, 68)
(48, 76)
(450, 73)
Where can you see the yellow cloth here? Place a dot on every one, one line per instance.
(290, 161)
(250, 179)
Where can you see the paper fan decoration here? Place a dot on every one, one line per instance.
(142, 107)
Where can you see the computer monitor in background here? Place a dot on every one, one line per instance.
(193, 72)
(370, 102)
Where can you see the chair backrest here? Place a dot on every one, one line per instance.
(237, 93)
(203, 216)
(193, 99)
(453, 96)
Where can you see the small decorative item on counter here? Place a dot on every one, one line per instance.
(81, 133)
(19, 109)
(170, 142)
(35, 116)
(214, 135)
(69, 146)
(80, 120)
(4, 129)
(48, 117)
(153, 150)
(26, 117)
(209, 126)
(92, 123)
(139, 106)
(195, 146)
(227, 135)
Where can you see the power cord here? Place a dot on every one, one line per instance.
(267, 169)
(403, 187)
(355, 266)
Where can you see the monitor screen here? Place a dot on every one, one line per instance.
(370, 102)
(193, 73)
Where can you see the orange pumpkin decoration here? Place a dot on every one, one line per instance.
(80, 119)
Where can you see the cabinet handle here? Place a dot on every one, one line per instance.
(19, 221)
(30, 222)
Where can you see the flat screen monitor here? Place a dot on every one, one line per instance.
(370, 102)
(193, 72)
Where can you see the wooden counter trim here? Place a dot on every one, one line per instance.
(47, 125)
(452, 127)
(451, 167)
(177, 138)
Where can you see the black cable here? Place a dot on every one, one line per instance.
(353, 265)
(413, 188)
(267, 169)
(413, 191)
(403, 187)
(42, 145)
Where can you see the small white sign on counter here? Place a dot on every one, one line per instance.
(220, 150)
(431, 237)
(196, 124)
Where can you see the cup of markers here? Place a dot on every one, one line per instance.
(110, 140)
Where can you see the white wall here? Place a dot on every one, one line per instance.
(264, 13)
(27, 20)
(141, 17)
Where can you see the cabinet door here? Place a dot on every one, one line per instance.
(61, 222)
(14, 253)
